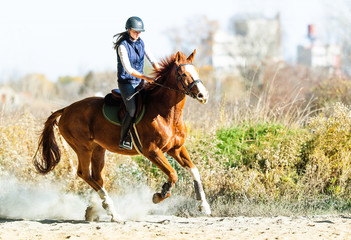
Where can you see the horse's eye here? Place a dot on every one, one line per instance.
(184, 75)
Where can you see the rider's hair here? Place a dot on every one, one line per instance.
(120, 37)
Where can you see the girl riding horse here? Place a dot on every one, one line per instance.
(161, 130)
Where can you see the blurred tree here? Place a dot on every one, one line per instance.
(68, 87)
(258, 39)
(105, 82)
(35, 86)
(197, 34)
(174, 35)
(69, 79)
(338, 29)
(89, 83)
(98, 83)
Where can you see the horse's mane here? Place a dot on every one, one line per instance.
(166, 67)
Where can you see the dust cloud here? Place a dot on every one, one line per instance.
(21, 200)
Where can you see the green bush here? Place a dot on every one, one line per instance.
(258, 145)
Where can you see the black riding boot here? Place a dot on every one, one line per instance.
(126, 141)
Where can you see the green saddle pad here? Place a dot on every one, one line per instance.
(110, 113)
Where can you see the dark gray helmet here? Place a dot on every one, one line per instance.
(135, 23)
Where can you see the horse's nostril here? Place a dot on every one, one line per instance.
(200, 95)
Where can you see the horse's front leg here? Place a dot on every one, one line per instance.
(182, 157)
(200, 194)
(157, 157)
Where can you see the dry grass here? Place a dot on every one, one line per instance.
(257, 154)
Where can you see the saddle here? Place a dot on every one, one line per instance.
(114, 111)
(114, 108)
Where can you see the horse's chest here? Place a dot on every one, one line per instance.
(179, 136)
(170, 133)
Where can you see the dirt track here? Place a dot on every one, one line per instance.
(170, 227)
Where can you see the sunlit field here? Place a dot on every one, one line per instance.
(260, 151)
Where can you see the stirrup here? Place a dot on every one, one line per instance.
(127, 143)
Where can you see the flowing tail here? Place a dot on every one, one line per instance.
(51, 154)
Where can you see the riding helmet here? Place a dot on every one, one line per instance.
(135, 23)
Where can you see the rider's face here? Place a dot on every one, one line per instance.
(134, 34)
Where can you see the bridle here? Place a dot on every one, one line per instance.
(186, 89)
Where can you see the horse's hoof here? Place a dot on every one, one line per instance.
(91, 215)
(156, 198)
(115, 219)
(205, 208)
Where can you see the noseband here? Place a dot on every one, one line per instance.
(187, 89)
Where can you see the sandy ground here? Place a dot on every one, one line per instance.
(29, 212)
(170, 227)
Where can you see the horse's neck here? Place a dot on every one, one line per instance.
(169, 103)
(167, 99)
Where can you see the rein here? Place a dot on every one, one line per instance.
(161, 85)
(186, 89)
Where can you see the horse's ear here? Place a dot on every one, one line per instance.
(192, 56)
(177, 57)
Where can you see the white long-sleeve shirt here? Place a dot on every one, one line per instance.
(123, 54)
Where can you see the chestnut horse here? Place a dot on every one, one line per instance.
(161, 130)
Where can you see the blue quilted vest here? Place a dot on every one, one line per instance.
(136, 54)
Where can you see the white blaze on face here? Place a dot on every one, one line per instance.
(202, 90)
(191, 69)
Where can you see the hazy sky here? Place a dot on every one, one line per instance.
(71, 37)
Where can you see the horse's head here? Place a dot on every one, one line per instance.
(188, 78)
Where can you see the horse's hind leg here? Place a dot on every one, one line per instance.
(96, 159)
(98, 164)
(182, 157)
(97, 167)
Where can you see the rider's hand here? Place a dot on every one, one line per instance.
(150, 80)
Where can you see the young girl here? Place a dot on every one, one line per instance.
(131, 50)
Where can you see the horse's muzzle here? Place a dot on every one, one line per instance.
(202, 97)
